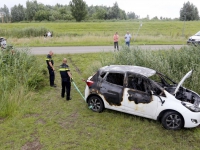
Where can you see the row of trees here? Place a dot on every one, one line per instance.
(79, 10)
(189, 12)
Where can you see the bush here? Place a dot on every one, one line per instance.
(19, 71)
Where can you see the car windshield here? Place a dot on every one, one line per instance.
(198, 33)
(162, 80)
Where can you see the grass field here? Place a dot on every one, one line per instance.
(48, 122)
(98, 33)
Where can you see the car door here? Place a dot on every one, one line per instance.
(138, 98)
(111, 87)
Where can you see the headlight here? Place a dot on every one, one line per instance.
(191, 107)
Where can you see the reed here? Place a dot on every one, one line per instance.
(173, 63)
(19, 74)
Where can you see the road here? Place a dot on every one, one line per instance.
(92, 49)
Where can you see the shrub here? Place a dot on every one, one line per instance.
(19, 72)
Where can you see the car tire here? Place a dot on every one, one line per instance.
(95, 103)
(172, 120)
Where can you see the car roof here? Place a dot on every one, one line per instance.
(128, 68)
(2, 38)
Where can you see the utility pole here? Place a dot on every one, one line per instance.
(184, 25)
(137, 31)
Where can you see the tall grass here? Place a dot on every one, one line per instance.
(19, 74)
(173, 63)
(12, 100)
(24, 32)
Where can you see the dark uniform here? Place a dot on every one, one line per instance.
(51, 71)
(65, 80)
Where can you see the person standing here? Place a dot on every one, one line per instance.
(116, 38)
(127, 38)
(66, 79)
(51, 69)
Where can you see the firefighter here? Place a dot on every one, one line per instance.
(66, 79)
(51, 69)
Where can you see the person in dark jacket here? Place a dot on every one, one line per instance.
(66, 79)
(51, 69)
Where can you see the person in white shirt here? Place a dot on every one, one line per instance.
(127, 38)
(48, 34)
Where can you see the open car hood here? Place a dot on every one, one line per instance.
(182, 80)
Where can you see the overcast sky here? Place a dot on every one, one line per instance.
(164, 8)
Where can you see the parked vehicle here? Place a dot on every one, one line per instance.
(3, 43)
(143, 92)
(195, 39)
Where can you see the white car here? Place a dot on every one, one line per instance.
(3, 42)
(143, 92)
(195, 39)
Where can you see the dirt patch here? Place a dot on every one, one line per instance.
(70, 121)
(41, 121)
(31, 115)
(35, 145)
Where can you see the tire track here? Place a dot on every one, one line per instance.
(74, 65)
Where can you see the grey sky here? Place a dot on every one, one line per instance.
(164, 8)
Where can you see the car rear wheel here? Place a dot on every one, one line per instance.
(95, 103)
(172, 120)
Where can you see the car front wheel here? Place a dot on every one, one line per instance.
(172, 120)
(95, 103)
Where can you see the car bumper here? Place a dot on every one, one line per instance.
(192, 119)
(193, 42)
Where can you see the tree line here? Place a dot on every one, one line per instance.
(78, 10)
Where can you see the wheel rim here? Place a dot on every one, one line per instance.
(95, 103)
(173, 121)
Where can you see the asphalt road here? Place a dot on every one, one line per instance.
(93, 49)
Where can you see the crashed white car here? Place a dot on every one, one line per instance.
(195, 39)
(144, 92)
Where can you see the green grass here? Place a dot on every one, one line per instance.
(46, 121)
(98, 33)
